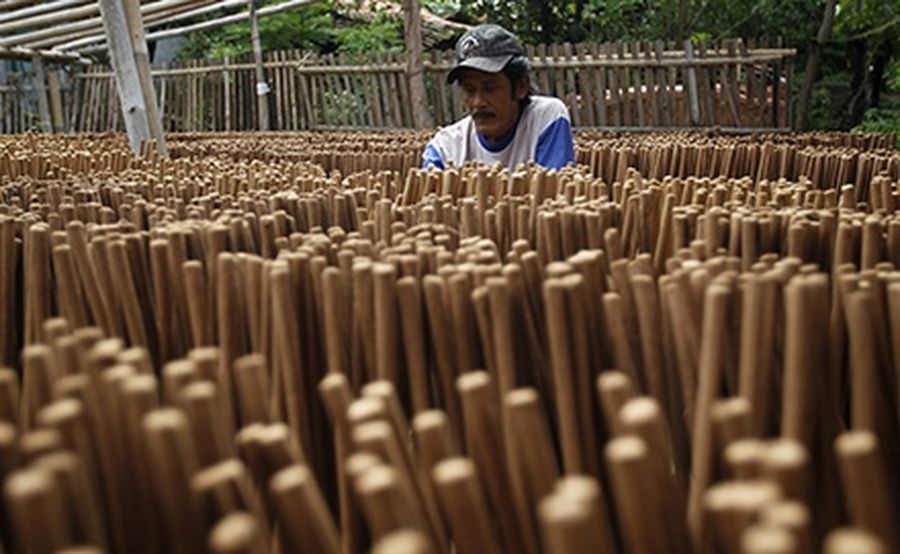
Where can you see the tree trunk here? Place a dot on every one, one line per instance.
(680, 31)
(857, 103)
(876, 76)
(813, 61)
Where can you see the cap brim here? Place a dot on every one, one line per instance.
(494, 64)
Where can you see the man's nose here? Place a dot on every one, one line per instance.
(478, 99)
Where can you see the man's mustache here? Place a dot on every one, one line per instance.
(483, 114)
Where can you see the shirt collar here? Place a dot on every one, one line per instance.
(504, 140)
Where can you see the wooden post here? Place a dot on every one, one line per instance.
(135, 21)
(226, 96)
(40, 88)
(415, 69)
(128, 83)
(56, 107)
(692, 83)
(262, 87)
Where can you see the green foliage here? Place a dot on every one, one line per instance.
(442, 8)
(382, 34)
(881, 120)
(308, 28)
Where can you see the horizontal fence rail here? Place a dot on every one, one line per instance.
(623, 86)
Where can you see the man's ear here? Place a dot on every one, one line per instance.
(524, 86)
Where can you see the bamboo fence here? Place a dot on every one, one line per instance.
(640, 85)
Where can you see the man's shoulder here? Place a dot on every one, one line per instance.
(453, 132)
(549, 105)
(544, 110)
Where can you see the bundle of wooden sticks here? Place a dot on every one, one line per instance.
(226, 354)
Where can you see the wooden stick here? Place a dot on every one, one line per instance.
(210, 429)
(767, 538)
(251, 382)
(79, 496)
(530, 438)
(438, 320)
(434, 439)
(873, 403)
(172, 455)
(36, 511)
(386, 505)
(731, 507)
(871, 489)
(643, 418)
(614, 390)
(387, 337)
(573, 518)
(712, 354)
(485, 445)
(563, 376)
(238, 533)
(756, 379)
(464, 505)
(851, 540)
(404, 541)
(9, 396)
(635, 495)
(306, 523)
(794, 517)
(380, 438)
(412, 326)
(743, 459)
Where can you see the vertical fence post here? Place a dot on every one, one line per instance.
(262, 87)
(40, 89)
(415, 68)
(56, 105)
(692, 83)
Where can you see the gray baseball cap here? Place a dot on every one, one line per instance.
(487, 48)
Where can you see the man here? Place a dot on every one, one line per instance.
(506, 124)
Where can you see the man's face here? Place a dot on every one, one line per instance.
(491, 102)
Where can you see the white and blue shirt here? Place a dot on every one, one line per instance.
(543, 134)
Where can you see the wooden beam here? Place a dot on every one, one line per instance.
(128, 83)
(43, 7)
(13, 4)
(42, 20)
(206, 25)
(91, 25)
(132, 10)
(40, 88)
(20, 53)
(415, 70)
(94, 42)
(262, 87)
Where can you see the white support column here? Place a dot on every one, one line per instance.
(142, 61)
(128, 83)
